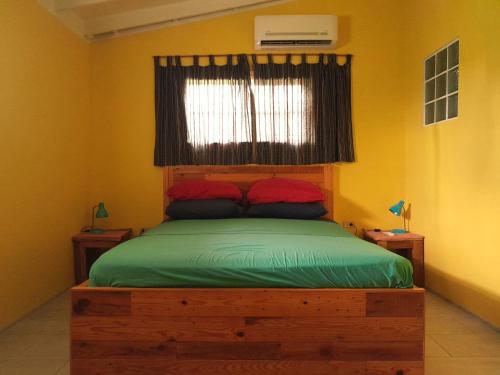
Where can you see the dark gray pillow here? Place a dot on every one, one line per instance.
(288, 210)
(204, 209)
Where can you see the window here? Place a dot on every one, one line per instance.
(286, 104)
(441, 85)
(253, 110)
(216, 112)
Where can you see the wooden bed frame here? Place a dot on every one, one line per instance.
(215, 331)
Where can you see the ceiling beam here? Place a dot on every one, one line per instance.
(61, 5)
(68, 17)
(168, 13)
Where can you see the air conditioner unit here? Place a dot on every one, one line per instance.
(288, 32)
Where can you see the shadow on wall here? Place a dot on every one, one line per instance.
(407, 216)
(345, 207)
(344, 31)
(465, 295)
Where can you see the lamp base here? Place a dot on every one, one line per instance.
(96, 231)
(398, 231)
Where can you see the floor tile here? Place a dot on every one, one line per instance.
(14, 345)
(475, 324)
(23, 327)
(50, 347)
(31, 367)
(470, 345)
(433, 349)
(64, 370)
(445, 325)
(462, 366)
(436, 305)
(438, 309)
(49, 312)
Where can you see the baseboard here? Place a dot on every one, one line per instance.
(473, 299)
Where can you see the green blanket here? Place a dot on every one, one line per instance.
(241, 253)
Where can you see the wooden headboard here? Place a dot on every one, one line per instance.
(244, 175)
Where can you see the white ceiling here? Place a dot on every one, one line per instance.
(99, 19)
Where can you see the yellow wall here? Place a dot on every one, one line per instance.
(45, 77)
(123, 108)
(453, 169)
(65, 102)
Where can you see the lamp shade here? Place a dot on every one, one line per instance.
(101, 211)
(397, 208)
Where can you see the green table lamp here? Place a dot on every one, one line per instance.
(398, 209)
(99, 214)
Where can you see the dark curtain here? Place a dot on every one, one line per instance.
(203, 115)
(332, 95)
(286, 113)
(171, 146)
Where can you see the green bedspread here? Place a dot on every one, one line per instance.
(250, 253)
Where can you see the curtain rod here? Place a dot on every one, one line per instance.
(261, 54)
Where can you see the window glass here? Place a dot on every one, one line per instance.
(429, 113)
(452, 80)
(441, 110)
(453, 55)
(430, 67)
(453, 106)
(441, 61)
(441, 85)
(430, 88)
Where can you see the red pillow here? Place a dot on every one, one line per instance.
(202, 189)
(276, 190)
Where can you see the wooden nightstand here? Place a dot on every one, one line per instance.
(409, 245)
(87, 247)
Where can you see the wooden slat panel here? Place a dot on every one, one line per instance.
(247, 177)
(395, 368)
(314, 178)
(249, 302)
(164, 367)
(243, 169)
(339, 329)
(326, 351)
(102, 303)
(256, 329)
(123, 349)
(353, 351)
(380, 304)
(228, 350)
(156, 328)
(188, 176)
(315, 351)
(298, 339)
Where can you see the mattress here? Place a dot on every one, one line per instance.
(250, 252)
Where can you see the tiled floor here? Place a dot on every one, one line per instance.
(456, 342)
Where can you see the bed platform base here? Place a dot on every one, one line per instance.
(125, 331)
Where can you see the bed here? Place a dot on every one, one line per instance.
(229, 309)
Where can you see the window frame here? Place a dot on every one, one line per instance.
(434, 78)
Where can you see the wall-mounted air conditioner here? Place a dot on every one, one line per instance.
(288, 32)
